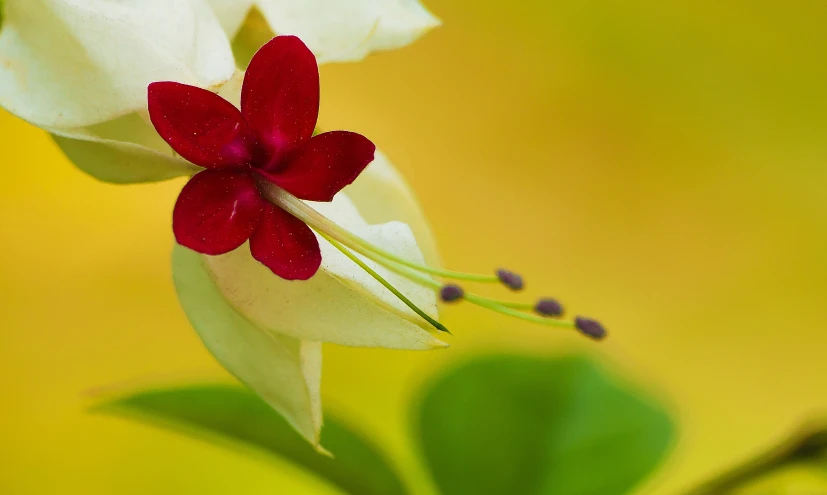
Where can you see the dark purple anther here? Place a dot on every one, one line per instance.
(451, 293)
(510, 279)
(590, 327)
(548, 307)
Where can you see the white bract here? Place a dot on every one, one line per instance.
(80, 69)
(266, 330)
(75, 63)
(284, 371)
(335, 30)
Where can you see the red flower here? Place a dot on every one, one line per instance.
(270, 138)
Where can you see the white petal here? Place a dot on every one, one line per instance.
(123, 151)
(401, 23)
(213, 57)
(339, 31)
(73, 63)
(341, 303)
(284, 371)
(381, 194)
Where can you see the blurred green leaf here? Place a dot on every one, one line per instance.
(520, 425)
(218, 413)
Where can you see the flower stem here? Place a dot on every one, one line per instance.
(809, 445)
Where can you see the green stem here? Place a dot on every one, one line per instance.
(806, 446)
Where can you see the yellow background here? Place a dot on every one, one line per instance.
(660, 165)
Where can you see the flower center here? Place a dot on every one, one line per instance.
(545, 311)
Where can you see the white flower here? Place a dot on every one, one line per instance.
(80, 69)
(267, 331)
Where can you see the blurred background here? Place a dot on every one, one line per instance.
(659, 165)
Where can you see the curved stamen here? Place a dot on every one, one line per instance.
(481, 301)
(308, 215)
(350, 245)
(546, 307)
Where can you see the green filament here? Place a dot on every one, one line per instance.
(525, 306)
(502, 307)
(308, 215)
(499, 308)
(349, 244)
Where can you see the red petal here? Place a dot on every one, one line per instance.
(201, 126)
(285, 245)
(280, 95)
(326, 164)
(217, 211)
